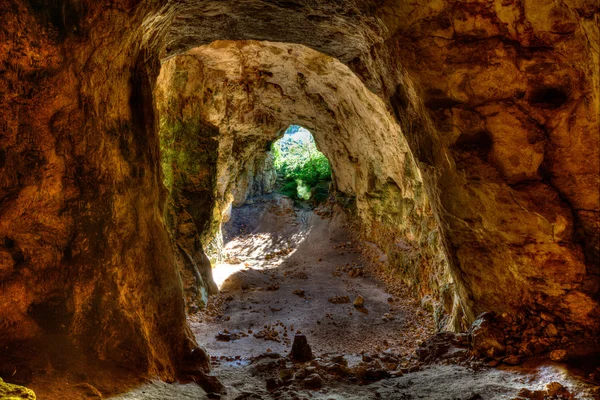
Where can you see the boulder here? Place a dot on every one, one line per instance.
(486, 337)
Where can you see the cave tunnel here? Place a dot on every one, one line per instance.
(464, 150)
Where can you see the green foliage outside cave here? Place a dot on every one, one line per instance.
(303, 171)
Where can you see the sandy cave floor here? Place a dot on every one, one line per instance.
(284, 266)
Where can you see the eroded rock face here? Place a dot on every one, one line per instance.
(252, 91)
(512, 90)
(257, 178)
(496, 100)
(86, 264)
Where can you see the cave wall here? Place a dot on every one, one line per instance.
(498, 102)
(258, 177)
(511, 88)
(489, 95)
(86, 262)
(252, 91)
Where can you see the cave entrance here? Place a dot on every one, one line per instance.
(303, 172)
(230, 116)
(292, 178)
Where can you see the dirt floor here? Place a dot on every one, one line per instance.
(290, 271)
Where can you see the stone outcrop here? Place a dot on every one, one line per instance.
(491, 108)
(512, 90)
(257, 178)
(15, 392)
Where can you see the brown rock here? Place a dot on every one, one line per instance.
(551, 330)
(532, 394)
(556, 389)
(313, 381)
(559, 355)
(512, 360)
(486, 338)
(359, 302)
(300, 349)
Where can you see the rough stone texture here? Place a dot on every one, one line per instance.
(15, 392)
(257, 178)
(498, 102)
(512, 88)
(486, 338)
(252, 91)
(87, 278)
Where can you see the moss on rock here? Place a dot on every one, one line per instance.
(8, 391)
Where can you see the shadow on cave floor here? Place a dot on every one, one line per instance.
(288, 269)
(284, 264)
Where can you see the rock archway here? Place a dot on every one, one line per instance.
(222, 105)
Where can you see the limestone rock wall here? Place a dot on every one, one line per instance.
(86, 264)
(257, 178)
(511, 91)
(497, 101)
(253, 90)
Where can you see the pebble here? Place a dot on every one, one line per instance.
(359, 302)
(512, 360)
(313, 381)
(556, 389)
(551, 330)
(559, 355)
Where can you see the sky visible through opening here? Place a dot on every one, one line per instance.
(303, 171)
(299, 134)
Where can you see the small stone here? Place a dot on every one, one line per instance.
(300, 349)
(508, 319)
(388, 317)
(512, 360)
(300, 374)
(551, 330)
(532, 394)
(546, 317)
(559, 355)
(556, 389)
(313, 381)
(273, 383)
(493, 363)
(359, 302)
(286, 374)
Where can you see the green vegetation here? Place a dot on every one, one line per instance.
(303, 170)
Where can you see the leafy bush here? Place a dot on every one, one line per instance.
(290, 189)
(297, 160)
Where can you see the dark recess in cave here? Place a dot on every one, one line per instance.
(548, 97)
(480, 142)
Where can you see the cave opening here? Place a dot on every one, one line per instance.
(303, 172)
(134, 138)
(264, 148)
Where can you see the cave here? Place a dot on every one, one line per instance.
(459, 234)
